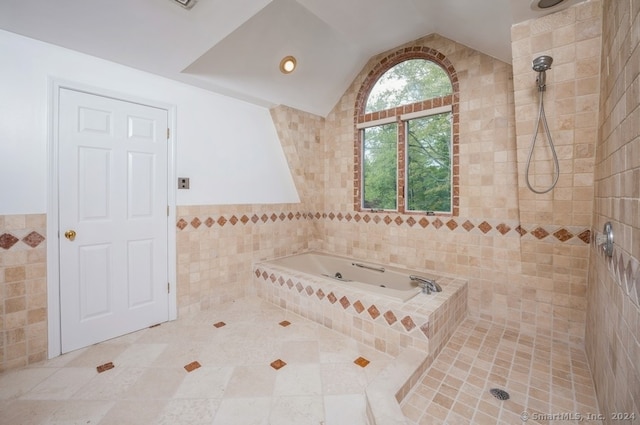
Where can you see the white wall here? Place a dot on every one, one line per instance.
(228, 148)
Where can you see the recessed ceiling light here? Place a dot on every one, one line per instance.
(288, 65)
(545, 4)
(187, 4)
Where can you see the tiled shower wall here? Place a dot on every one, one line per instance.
(23, 290)
(557, 274)
(613, 324)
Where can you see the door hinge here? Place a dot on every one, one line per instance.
(167, 210)
(168, 134)
(168, 287)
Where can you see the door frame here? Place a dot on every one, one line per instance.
(54, 333)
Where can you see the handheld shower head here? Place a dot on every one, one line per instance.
(540, 65)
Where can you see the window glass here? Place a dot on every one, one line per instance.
(428, 186)
(380, 162)
(408, 82)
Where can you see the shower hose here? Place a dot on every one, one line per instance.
(556, 174)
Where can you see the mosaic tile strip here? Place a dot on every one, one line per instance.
(547, 233)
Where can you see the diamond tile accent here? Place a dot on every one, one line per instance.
(437, 223)
(331, 216)
(254, 219)
(274, 217)
(367, 218)
(332, 298)
(284, 323)
(357, 218)
(196, 222)
(484, 227)
(451, 224)
(348, 217)
(222, 221)
(373, 312)
(257, 272)
(320, 294)
(209, 222)
(344, 302)
(358, 306)
(299, 287)
(7, 240)
(408, 323)
(376, 219)
(361, 361)
(105, 367)
(423, 222)
(411, 221)
(265, 275)
(282, 216)
(309, 290)
(426, 330)
(192, 366)
(181, 224)
(233, 220)
(340, 216)
(289, 283)
(390, 317)
(278, 364)
(33, 239)
(399, 220)
(387, 220)
(264, 218)
(281, 280)
(219, 324)
(503, 228)
(521, 230)
(540, 233)
(585, 236)
(273, 277)
(563, 235)
(244, 219)
(468, 226)
(290, 216)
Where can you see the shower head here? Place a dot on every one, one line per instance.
(542, 63)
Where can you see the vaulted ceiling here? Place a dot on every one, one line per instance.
(234, 47)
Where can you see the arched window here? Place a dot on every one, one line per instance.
(406, 135)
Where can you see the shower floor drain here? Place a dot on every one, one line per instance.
(499, 394)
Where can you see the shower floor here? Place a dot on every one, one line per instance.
(548, 380)
(321, 383)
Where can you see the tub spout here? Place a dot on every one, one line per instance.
(428, 285)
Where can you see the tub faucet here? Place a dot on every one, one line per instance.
(428, 285)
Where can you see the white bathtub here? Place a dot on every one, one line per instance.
(379, 279)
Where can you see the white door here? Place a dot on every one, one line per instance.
(112, 217)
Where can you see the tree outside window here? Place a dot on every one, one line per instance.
(405, 140)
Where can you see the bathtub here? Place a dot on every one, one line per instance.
(388, 281)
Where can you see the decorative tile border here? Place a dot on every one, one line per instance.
(547, 233)
(32, 240)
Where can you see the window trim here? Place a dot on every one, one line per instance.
(399, 114)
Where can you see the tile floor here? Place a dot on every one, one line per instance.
(543, 376)
(237, 348)
(259, 364)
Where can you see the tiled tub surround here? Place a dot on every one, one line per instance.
(412, 332)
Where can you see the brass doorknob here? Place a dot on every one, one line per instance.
(70, 234)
